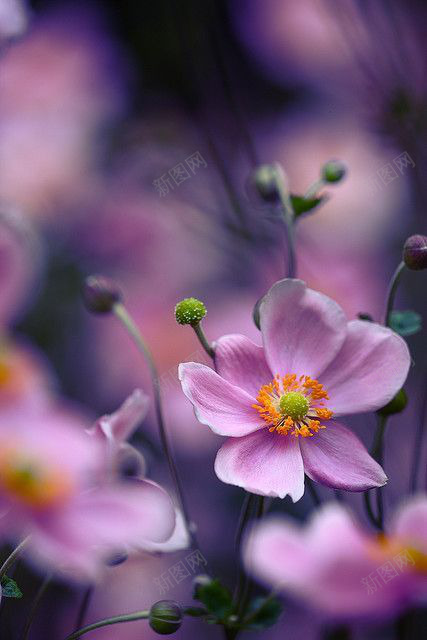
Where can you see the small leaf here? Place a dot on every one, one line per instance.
(302, 205)
(263, 613)
(9, 588)
(216, 598)
(405, 323)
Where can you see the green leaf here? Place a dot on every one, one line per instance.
(195, 612)
(405, 323)
(216, 598)
(302, 205)
(9, 588)
(263, 613)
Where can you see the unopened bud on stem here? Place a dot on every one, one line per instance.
(415, 252)
(100, 294)
(165, 617)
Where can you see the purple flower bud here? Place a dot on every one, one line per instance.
(415, 252)
(100, 294)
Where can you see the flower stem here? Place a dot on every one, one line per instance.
(84, 605)
(391, 293)
(288, 216)
(129, 617)
(316, 498)
(203, 340)
(377, 452)
(13, 557)
(124, 317)
(35, 607)
(416, 456)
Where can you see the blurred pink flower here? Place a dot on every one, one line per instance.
(334, 566)
(272, 405)
(13, 19)
(49, 490)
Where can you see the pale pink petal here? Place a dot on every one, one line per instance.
(242, 362)
(409, 523)
(335, 457)
(302, 329)
(368, 371)
(264, 463)
(224, 407)
(122, 423)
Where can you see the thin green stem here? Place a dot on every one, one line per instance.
(313, 189)
(84, 606)
(129, 617)
(35, 607)
(13, 557)
(124, 317)
(288, 216)
(204, 341)
(391, 293)
(377, 452)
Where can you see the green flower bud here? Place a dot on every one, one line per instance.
(333, 171)
(415, 252)
(190, 311)
(264, 181)
(100, 294)
(396, 404)
(165, 617)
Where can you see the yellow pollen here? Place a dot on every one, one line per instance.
(395, 549)
(293, 405)
(30, 483)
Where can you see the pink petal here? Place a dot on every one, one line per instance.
(368, 371)
(264, 463)
(224, 407)
(410, 523)
(122, 423)
(242, 362)
(336, 458)
(303, 330)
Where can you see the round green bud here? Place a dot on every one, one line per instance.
(165, 617)
(333, 171)
(264, 181)
(396, 404)
(100, 294)
(190, 311)
(415, 252)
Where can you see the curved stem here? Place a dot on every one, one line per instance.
(13, 557)
(288, 216)
(314, 188)
(204, 341)
(391, 293)
(128, 323)
(84, 606)
(129, 617)
(35, 607)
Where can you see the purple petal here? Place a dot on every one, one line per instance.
(264, 463)
(120, 425)
(303, 330)
(225, 408)
(410, 523)
(336, 458)
(242, 362)
(368, 371)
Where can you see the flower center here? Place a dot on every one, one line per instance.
(31, 483)
(402, 555)
(295, 405)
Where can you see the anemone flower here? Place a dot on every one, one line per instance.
(279, 403)
(336, 567)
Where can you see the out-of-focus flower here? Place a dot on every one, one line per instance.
(21, 263)
(113, 431)
(334, 566)
(58, 86)
(26, 380)
(49, 489)
(277, 403)
(13, 19)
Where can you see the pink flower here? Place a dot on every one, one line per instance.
(49, 489)
(336, 567)
(276, 402)
(112, 431)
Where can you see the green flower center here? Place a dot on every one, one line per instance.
(294, 404)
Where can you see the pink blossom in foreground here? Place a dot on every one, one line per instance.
(331, 564)
(276, 402)
(49, 473)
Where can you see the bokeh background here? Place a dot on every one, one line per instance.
(101, 100)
